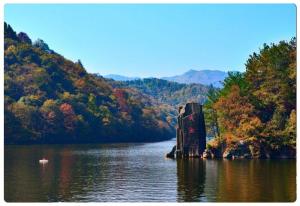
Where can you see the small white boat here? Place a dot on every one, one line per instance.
(43, 161)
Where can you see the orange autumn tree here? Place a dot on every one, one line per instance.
(236, 116)
(259, 105)
(70, 118)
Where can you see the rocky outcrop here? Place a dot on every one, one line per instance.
(249, 150)
(207, 154)
(172, 153)
(239, 150)
(191, 134)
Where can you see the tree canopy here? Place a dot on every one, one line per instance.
(259, 105)
(49, 99)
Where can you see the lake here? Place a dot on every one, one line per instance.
(137, 172)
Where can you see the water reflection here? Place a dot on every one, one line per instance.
(236, 180)
(139, 172)
(93, 173)
(256, 181)
(191, 179)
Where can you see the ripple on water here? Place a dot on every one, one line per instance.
(139, 172)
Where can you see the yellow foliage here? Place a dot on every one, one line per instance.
(10, 49)
(66, 95)
(49, 103)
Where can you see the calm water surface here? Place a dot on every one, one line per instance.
(139, 172)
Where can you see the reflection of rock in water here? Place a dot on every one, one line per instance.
(191, 179)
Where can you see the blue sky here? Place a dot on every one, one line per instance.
(155, 40)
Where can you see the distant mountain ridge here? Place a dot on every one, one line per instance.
(204, 77)
(117, 77)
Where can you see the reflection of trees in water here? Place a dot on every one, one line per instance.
(76, 173)
(257, 180)
(21, 171)
(79, 173)
(67, 161)
(236, 180)
(61, 179)
(191, 179)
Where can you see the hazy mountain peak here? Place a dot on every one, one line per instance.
(206, 77)
(118, 77)
(191, 71)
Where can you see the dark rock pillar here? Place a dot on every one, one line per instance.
(191, 134)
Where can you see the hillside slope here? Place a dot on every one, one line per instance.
(165, 95)
(49, 99)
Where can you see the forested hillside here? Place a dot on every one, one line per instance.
(255, 112)
(49, 99)
(165, 95)
(167, 92)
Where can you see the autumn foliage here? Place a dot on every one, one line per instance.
(258, 106)
(49, 99)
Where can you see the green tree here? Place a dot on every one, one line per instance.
(92, 105)
(210, 113)
(272, 82)
(9, 32)
(234, 78)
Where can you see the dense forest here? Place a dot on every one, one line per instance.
(255, 111)
(167, 92)
(49, 99)
(166, 95)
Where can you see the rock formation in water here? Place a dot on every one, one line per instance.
(172, 153)
(191, 134)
